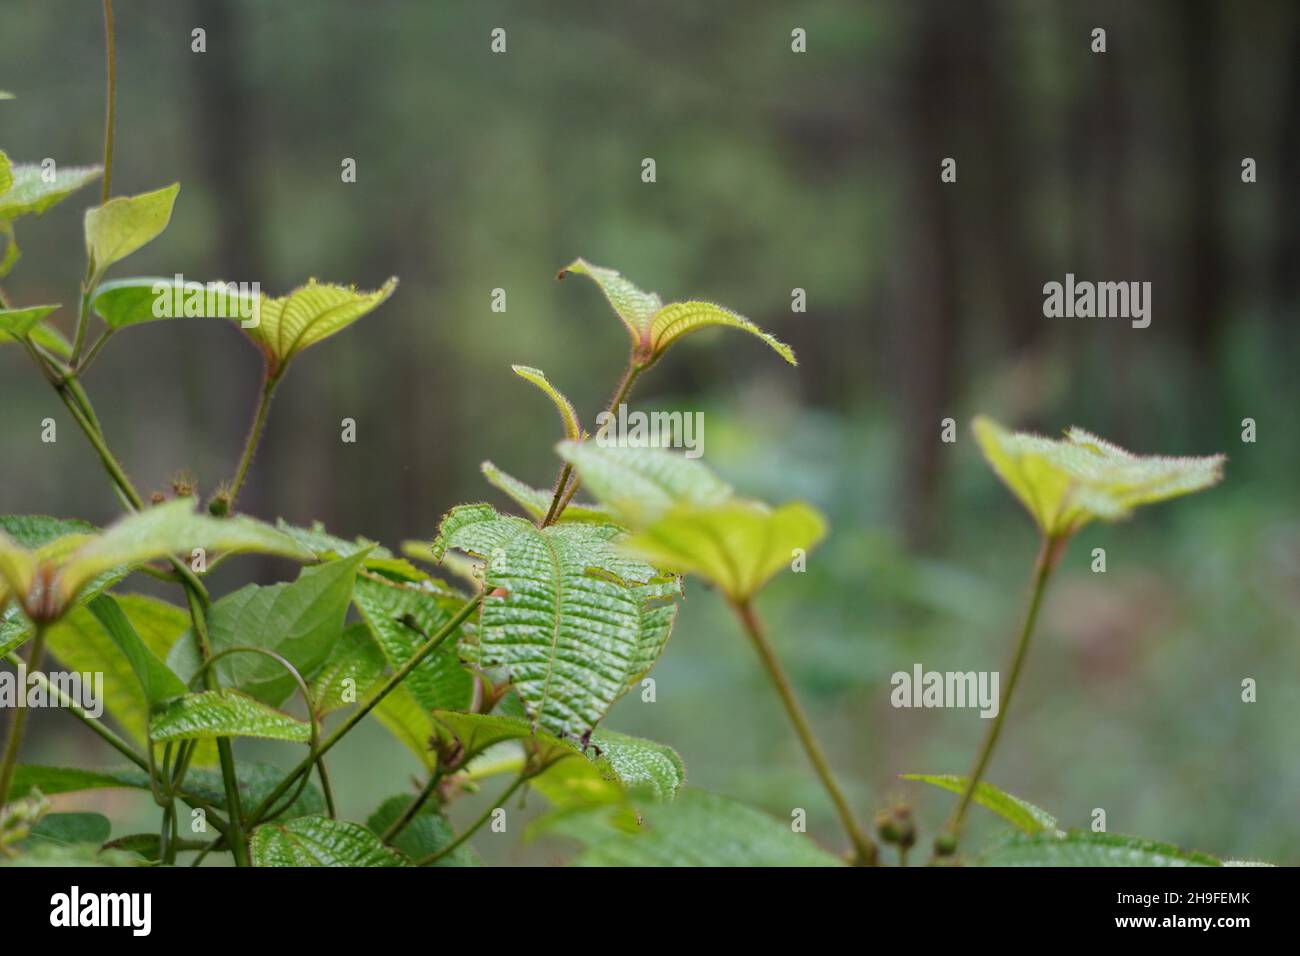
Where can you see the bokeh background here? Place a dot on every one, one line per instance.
(775, 170)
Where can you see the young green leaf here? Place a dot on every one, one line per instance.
(224, 713)
(389, 609)
(409, 723)
(34, 189)
(1019, 813)
(639, 485)
(157, 681)
(55, 780)
(301, 621)
(319, 841)
(70, 829)
(171, 528)
(738, 546)
(535, 501)
(564, 615)
(569, 418)
(1085, 848)
(124, 302)
(701, 829)
(20, 322)
(614, 767)
(634, 307)
(122, 225)
(309, 314)
(6, 173)
(681, 318)
(1066, 484)
(477, 732)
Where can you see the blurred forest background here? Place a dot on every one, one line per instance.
(775, 170)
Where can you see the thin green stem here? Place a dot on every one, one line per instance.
(1048, 555)
(865, 850)
(359, 714)
(564, 490)
(269, 382)
(18, 722)
(417, 804)
(110, 113)
(477, 824)
(94, 351)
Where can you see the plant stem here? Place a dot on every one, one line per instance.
(18, 722)
(110, 115)
(477, 824)
(409, 813)
(865, 850)
(305, 765)
(269, 382)
(563, 495)
(1048, 554)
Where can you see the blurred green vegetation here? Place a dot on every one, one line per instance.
(775, 171)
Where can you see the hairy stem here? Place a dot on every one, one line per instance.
(110, 113)
(18, 722)
(269, 382)
(564, 490)
(865, 850)
(477, 824)
(305, 765)
(1048, 554)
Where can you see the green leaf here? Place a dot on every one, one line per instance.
(354, 667)
(1019, 813)
(171, 528)
(81, 644)
(639, 485)
(70, 829)
(124, 302)
(702, 829)
(411, 724)
(157, 681)
(319, 841)
(614, 767)
(439, 680)
(224, 713)
(30, 194)
(428, 833)
(738, 546)
(308, 315)
(301, 621)
(681, 318)
(477, 732)
(122, 225)
(536, 502)
(6, 169)
(563, 613)
(569, 417)
(4, 95)
(20, 322)
(635, 307)
(1066, 484)
(1085, 848)
(55, 780)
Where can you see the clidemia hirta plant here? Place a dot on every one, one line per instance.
(506, 671)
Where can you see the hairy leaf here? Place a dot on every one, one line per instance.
(1085, 848)
(564, 615)
(477, 732)
(301, 621)
(639, 485)
(122, 225)
(70, 829)
(702, 829)
(1066, 484)
(537, 502)
(738, 546)
(354, 666)
(1019, 813)
(319, 841)
(31, 194)
(224, 713)
(614, 767)
(166, 529)
(569, 418)
(411, 724)
(308, 315)
(635, 307)
(681, 318)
